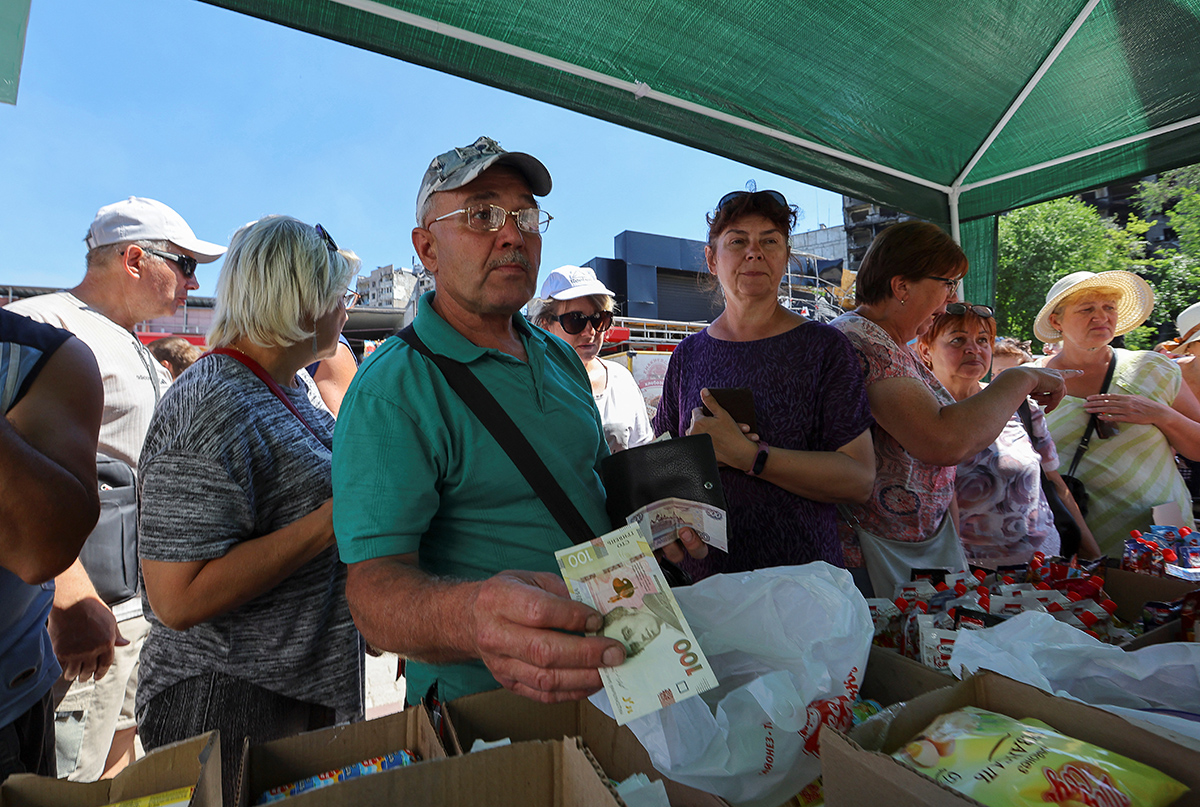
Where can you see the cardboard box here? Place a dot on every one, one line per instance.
(533, 774)
(498, 714)
(892, 678)
(857, 769)
(315, 752)
(1170, 632)
(1131, 591)
(194, 762)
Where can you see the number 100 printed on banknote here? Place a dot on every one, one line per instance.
(618, 576)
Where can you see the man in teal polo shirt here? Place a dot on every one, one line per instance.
(451, 552)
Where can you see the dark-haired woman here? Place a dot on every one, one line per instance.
(812, 448)
(908, 276)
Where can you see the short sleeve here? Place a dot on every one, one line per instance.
(385, 479)
(879, 356)
(666, 417)
(1143, 372)
(845, 410)
(190, 509)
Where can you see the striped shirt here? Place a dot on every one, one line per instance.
(1126, 475)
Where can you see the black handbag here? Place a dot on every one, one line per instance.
(685, 467)
(1069, 534)
(110, 553)
(1074, 484)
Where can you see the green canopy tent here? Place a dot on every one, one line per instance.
(951, 111)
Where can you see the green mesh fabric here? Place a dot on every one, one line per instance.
(14, 18)
(916, 86)
(980, 242)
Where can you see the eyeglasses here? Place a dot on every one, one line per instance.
(729, 197)
(490, 218)
(958, 309)
(950, 282)
(573, 322)
(351, 298)
(186, 263)
(327, 238)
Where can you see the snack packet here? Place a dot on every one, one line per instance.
(1003, 762)
(375, 765)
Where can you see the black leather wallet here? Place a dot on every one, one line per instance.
(685, 467)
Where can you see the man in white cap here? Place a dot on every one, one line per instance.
(451, 552)
(141, 263)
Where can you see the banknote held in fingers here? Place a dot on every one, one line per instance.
(618, 575)
(662, 520)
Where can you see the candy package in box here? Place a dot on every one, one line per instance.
(1003, 762)
(385, 763)
(1163, 551)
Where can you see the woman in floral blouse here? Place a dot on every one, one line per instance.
(1004, 516)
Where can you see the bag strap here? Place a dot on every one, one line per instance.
(498, 423)
(1091, 425)
(1026, 418)
(271, 383)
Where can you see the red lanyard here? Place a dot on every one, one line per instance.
(258, 370)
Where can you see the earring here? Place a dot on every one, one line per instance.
(314, 344)
(903, 302)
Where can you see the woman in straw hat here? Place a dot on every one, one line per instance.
(1146, 414)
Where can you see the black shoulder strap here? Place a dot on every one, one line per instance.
(493, 417)
(1091, 425)
(1026, 418)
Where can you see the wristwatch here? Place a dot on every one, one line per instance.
(760, 459)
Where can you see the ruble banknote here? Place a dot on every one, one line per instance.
(618, 575)
(664, 517)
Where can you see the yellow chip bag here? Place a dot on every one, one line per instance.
(1003, 762)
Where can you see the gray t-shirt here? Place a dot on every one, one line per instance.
(225, 461)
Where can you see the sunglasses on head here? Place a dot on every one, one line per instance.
(186, 263)
(573, 322)
(958, 309)
(327, 238)
(729, 197)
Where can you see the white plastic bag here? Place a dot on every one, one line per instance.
(789, 646)
(1037, 649)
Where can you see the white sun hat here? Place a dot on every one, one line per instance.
(1134, 305)
(1188, 324)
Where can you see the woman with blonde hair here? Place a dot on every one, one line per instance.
(250, 631)
(1126, 413)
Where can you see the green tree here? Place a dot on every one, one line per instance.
(1042, 243)
(1176, 275)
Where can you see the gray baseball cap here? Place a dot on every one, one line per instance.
(460, 166)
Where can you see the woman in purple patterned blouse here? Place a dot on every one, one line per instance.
(812, 448)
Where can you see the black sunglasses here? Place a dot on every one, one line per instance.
(186, 263)
(958, 309)
(574, 322)
(729, 197)
(327, 238)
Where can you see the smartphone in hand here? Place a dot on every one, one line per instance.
(738, 402)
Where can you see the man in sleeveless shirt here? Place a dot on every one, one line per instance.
(51, 397)
(141, 263)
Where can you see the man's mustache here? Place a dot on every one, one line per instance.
(516, 257)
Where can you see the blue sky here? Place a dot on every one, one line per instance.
(228, 118)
